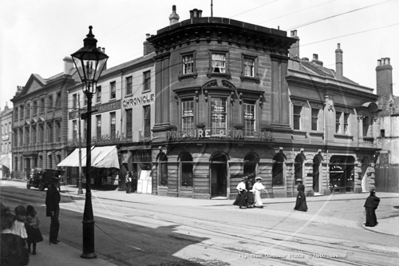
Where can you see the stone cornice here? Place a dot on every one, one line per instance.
(329, 87)
(221, 30)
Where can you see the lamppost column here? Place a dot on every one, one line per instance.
(88, 217)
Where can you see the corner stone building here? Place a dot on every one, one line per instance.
(227, 105)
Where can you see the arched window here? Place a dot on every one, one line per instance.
(163, 169)
(250, 162)
(278, 169)
(186, 165)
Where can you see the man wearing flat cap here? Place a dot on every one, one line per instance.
(53, 198)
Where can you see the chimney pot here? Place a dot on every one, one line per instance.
(174, 17)
(316, 60)
(148, 47)
(68, 64)
(384, 77)
(294, 49)
(339, 70)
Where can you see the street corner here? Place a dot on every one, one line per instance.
(387, 226)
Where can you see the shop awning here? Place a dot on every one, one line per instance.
(5, 160)
(101, 157)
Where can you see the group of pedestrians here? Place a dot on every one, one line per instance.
(20, 228)
(249, 197)
(131, 182)
(19, 234)
(249, 193)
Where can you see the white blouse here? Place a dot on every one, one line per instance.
(258, 186)
(241, 186)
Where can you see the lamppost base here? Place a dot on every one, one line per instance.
(80, 191)
(88, 255)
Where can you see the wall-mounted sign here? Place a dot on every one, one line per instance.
(100, 108)
(220, 133)
(141, 100)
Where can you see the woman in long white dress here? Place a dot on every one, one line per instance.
(257, 188)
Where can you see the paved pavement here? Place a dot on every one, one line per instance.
(62, 254)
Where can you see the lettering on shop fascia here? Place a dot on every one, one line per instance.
(106, 107)
(105, 139)
(143, 99)
(209, 133)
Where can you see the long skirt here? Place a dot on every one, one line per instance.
(250, 199)
(258, 200)
(241, 199)
(34, 234)
(371, 218)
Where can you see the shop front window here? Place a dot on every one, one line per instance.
(186, 170)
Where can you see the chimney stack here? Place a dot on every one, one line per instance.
(316, 60)
(339, 69)
(384, 77)
(68, 64)
(294, 49)
(148, 47)
(195, 13)
(174, 17)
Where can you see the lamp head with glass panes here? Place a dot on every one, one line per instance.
(90, 62)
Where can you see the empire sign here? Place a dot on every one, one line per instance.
(219, 133)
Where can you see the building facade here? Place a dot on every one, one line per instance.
(234, 99)
(123, 118)
(334, 135)
(6, 142)
(39, 124)
(387, 171)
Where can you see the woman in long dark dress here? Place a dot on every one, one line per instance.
(301, 199)
(241, 199)
(371, 205)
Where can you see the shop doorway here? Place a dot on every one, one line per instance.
(342, 174)
(218, 174)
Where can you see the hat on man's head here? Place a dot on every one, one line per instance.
(258, 178)
(20, 210)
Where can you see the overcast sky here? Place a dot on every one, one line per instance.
(36, 35)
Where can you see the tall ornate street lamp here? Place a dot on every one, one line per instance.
(90, 62)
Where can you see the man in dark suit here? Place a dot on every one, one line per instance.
(53, 198)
